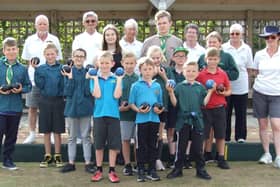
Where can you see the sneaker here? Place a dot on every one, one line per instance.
(141, 176)
(127, 170)
(90, 168)
(67, 168)
(58, 160)
(159, 165)
(113, 177)
(222, 163)
(266, 159)
(174, 174)
(97, 176)
(277, 162)
(135, 169)
(202, 173)
(9, 164)
(241, 140)
(47, 161)
(187, 164)
(208, 157)
(30, 139)
(153, 176)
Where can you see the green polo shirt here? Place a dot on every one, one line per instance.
(227, 64)
(127, 81)
(190, 99)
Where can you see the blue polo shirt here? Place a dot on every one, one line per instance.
(13, 102)
(106, 105)
(142, 92)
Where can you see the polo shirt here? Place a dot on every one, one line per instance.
(134, 47)
(244, 60)
(91, 43)
(127, 81)
(141, 92)
(194, 52)
(171, 73)
(34, 47)
(106, 105)
(268, 79)
(190, 98)
(227, 64)
(220, 77)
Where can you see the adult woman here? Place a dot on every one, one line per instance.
(266, 93)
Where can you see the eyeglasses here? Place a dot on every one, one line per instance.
(90, 21)
(272, 37)
(235, 33)
(180, 56)
(77, 56)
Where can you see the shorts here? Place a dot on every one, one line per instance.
(127, 130)
(171, 118)
(51, 116)
(107, 130)
(163, 117)
(265, 105)
(33, 98)
(215, 118)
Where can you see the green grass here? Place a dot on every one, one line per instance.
(247, 174)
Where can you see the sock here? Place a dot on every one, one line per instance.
(111, 169)
(99, 168)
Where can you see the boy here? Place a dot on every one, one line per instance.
(13, 75)
(107, 89)
(189, 96)
(214, 112)
(143, 95)
(78, 110)
(127, 116)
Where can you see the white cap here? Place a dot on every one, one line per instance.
(236, 27)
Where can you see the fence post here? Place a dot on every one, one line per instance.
(53, 22)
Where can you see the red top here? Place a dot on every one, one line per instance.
(220, 77)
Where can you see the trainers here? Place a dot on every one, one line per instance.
(153, 176)
(222, 163)
(277, 162)
(97, 176)
(202, 173)
(90, 168)
(266, 159)
(127, 170)
(141, 176)
(135, 169)
(187, 163)
(67, 168)
(113, 177)
(174, 174)
(208, 157)
(9, 164)
(47, 161)
(159, 165)
(58, 160)
(241, 140)
(30, 139)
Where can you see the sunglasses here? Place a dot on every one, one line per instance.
(270, 37)
(90, 21)
(235, 33)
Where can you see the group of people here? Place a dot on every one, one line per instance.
(167, 84)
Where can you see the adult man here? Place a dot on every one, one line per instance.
(33, 47)
(163, 38)
(90, 40)
(129, 41)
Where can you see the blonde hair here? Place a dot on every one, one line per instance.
(105, 54)
(192, 63)
(50, 45)
(216, 35)
(161, 14)
(154, 49)
(145, 60)
(128, 54)
(212, 52)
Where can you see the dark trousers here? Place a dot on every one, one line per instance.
(196, 147)
(146, 144)
(239, 104)
(9, 127)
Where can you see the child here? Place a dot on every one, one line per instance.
(78, 110)
(49, 80)
(155, 53)
(188, 98)
(143, 95)
(127, 116)
(175, 73)
(214, 112)
(107, 89)
(12, 73)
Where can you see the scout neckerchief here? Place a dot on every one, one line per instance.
(163, 42)
(9, 72)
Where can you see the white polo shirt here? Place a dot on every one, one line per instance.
(34, 47)
(195, 52)
(244, 59)
(91, 43)
(134, 47)
(268, 80)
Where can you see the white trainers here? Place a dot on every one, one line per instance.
(277, 162)
(159, 165)
(30, 139)
(241, 140)
(266, 159)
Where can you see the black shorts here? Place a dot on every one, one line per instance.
(51, 115)
(107, 130)
(171, 118)
(163, 117)
(215, 118)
